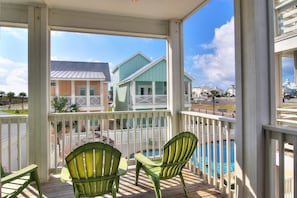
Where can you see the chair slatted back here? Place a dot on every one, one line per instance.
(2, 174)
(93, 168)
(177, 153)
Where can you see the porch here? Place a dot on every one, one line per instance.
(146, 132)
(255, 103)
(130, 132)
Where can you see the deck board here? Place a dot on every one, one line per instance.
(172, 188)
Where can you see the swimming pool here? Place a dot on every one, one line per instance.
(232, 168)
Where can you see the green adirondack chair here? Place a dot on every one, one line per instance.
(176, 153)
(14, 183)
(95, 169)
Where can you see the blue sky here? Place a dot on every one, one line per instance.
(208, 49)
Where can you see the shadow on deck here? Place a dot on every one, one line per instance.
(170, 188)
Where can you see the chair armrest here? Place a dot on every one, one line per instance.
(20, 173)
(65, 175)
(123, 166)
(146, 161)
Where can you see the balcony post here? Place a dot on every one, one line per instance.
(255, 92)
(278, 80)
(295, 67)
(38, 77)
(101, 93)
(175, 75)
(88, 106)
(154, 93)
(132, 99)
(73, 92)
(57, 89)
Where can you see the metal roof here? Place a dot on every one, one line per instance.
(146, 68)
(77, 75)
(80, 70)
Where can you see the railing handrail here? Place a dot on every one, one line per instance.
(280, 129)
(113, 114)
(5, 119)
(275, 153)
(287, 116)
(286, 109)
(210, 116)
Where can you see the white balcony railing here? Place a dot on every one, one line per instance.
(212, 129)
(130, 132)
(286, 17)
(281, 161)
(13, 141)
(82, 100)
(287, 116)
(153, 100)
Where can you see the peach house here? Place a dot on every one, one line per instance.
(82, 83)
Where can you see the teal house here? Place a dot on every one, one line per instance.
(140, 83)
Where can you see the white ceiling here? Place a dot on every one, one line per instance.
(154, 9)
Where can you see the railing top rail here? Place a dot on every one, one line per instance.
(13, 118)
(280, 129)
(209, 116)
(293, 110)
(115, 114)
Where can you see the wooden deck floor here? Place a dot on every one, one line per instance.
(170, 188)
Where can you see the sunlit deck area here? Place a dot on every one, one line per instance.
(255, 148)
(170, 188)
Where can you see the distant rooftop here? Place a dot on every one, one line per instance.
(80, 70)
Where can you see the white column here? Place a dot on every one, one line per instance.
(255, 99)
(101, 93)
(57, 89)
(132, 94)
(295, 67)
(175, 75)
(278, 80)
(154, 93)
(189, 92)
(73, 92)
(39, 82)
(88, 95)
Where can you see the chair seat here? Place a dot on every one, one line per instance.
(177, 152)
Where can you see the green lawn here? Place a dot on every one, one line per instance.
(17, 112)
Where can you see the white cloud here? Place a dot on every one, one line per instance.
(13, 76)
(18, 33)
(54, 58)
(57, 33)
(218, 68)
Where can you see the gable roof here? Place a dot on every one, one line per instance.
(189, 76)
(141, 71)
(80, 70)
(130, 58)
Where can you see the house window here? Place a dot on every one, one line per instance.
(92, 90)
(149, 91)
(186, 87)
(145, 90)
(53, 84)
(82, 91)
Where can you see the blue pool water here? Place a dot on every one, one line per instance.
(206, 157)
(232, 168)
